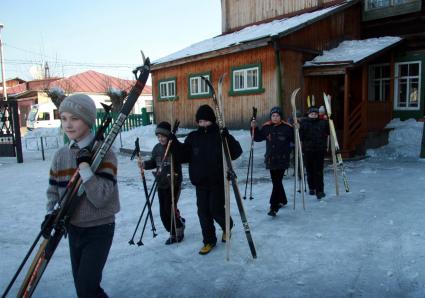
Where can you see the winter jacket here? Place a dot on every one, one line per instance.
(278, 143)
(155, 161)
(202, 150)
(313, 134)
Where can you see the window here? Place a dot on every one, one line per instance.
(376, 4)
(379, 82)
(198, 88)
(406, 85)
(43, 116)
(246, 79)
(167, 89)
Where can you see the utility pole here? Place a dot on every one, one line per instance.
(3, 74)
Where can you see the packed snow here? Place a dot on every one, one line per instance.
(365, 243)
(354, 51)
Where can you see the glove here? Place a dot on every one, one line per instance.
(84, 155)
(225, 132)
(173, 137)
(47, 224)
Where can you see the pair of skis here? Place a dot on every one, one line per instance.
(336, 152)
(230, 174)
(72, 196)
(299, 163)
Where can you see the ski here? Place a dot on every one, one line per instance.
(251, 157)
(299, 163)
(231, 175)
(337, 157)
(72, 196)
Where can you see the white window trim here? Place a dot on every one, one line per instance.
(200, 82)
(372, 80)
(396, 100)
(245, 77)
(167, 88)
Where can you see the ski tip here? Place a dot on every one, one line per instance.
(221, 79)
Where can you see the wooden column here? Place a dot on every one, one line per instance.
(365, 97)
(346, 109)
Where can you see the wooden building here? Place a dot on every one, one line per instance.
(267, 49)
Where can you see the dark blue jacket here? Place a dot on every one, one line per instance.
(278, 143)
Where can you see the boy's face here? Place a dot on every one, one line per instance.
(313, 115)
(74, 128)
(163, 140)
(204, 123)
(275, 118)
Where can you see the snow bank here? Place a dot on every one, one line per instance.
(404, 140)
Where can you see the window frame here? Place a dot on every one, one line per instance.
(246, 90)
(391, 3)
(198, 77)
(165, 81)
(372, 80)
(396, 106)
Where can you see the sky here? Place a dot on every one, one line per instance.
(106, 36)
(366, 243)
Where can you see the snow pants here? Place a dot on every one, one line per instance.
(278, 195)
(89, 249)
(314, 161)
(210, 202)
(164, 198)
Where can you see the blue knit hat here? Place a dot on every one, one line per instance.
(276, 110)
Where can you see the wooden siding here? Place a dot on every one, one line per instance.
(237, 13)
(238, 109)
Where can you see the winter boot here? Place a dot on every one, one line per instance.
(312, 192)
(320, 195)
(206, 248)
(180, 233)
(171, 240)
(272, 212)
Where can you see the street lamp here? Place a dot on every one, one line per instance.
(3, 74)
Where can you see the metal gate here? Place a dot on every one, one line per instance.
(10, 134)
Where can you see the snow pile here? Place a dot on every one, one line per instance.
(354, 50)
(404, 140)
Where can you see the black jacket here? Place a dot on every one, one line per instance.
(313, 134)
(278, 143)
(164, 180)
(202, 150)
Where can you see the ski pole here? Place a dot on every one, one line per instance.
(131, 241)
(136, 153)
(140, 242)
(254, 116)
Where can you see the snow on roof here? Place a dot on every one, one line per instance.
(353, 51)
(250, 33)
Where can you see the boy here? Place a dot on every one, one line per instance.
(278, 135)
(163, 133)
(313, 134)
(202, 149)
(91, 227)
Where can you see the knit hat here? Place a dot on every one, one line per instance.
(163, 128)
(81, 106)
(322, 109)
(313, 109)
(276, 110)
(205, 112)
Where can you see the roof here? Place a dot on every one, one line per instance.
(353, 51)
(276, 28)
(95, 82)
(89, 81)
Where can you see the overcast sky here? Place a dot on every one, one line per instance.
(106, 36)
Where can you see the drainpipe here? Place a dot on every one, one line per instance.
(3, 74)
(279, 75)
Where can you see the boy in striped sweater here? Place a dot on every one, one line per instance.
(91, 227)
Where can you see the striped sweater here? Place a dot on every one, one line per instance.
(100, 201)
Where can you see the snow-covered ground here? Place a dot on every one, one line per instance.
(366, 243)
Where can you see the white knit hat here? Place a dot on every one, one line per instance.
(80, 105)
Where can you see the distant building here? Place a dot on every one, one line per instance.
(93, 83)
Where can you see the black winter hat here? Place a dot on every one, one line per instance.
(205, 112)
(276, 110)
(163, 128)
(313, 109)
